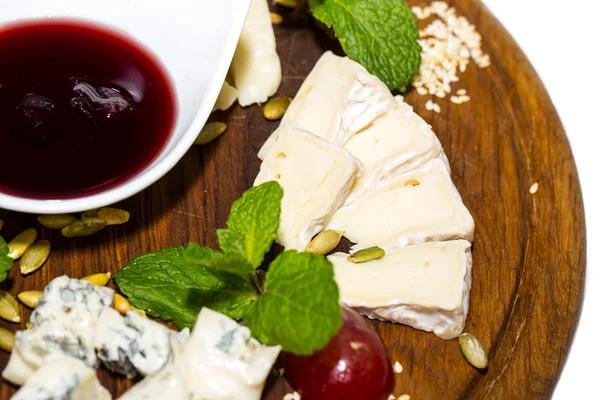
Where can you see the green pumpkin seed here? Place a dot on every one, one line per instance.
(56, 221)
(276, 108)
(210, 132)
(90, 214)
(84, 227)
(113, 216)
(325, 242)
(7, 339)
(276, 19)
(21, 243)
(473, 350)
(28, 325)
(9, 308)
(30, 298)
(368, 254)
(35, 257)
(287, 3)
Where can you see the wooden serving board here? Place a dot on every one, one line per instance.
(529, 250)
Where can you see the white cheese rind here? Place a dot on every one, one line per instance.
(425, 286)
(255, 68)
(67, 378)
(316, 177)
(398, 214)
(337, 100)
(131, 344)
(221, 361)
(394, 143)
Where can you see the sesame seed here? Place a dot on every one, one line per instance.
(534, 188)
(398, 367)
(448, 43)
(404, 397)
(461, 92)
(289, 396)
(464, 98)
(391, 397)
(429, 105)
(436, 108)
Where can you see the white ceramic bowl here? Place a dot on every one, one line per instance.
(193, 39)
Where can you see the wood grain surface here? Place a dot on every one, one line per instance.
(529, 250)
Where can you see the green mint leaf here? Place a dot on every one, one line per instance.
(300, 308)
(381, 35)
(164, 285)
(6, 262)
(253, 223)
(232, 264)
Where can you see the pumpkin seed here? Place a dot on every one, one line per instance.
(98, 279)
(368, 254)
(121, 304)
(7, 339)
(9, 308)
(276, 108)
(139, 311)
(35, 257)
(473, 350)
(21, 243)
(56, 221)
(113, 216)
(276, 19)
(325, 242)
(28, 325)
(210, 132)
(30, 298)
(84, 227)
(90, 214)
(287, 3)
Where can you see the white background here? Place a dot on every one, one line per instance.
(562, 41)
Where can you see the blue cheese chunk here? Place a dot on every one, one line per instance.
(221, 361)
(65, 379)
(166, 384)
(64, 324)
(72, 302)
(132, 344)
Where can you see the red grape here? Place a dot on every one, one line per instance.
(353, 365)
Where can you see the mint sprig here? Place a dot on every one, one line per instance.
(299, 309)
(295, 304)
(381, 35)
(6, 262)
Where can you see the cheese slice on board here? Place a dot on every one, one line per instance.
(338, 99)
(255, 67)
(316, 177)
(67, 378)
(425, 286)
(394, 143)
(221, 361)
(419, 206)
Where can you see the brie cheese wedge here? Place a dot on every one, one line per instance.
(316, 177)
(221, 361)
(255, 67)
(337, 100)
(419, 206)
(394, 143)
(425, 286)
(67, 378)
